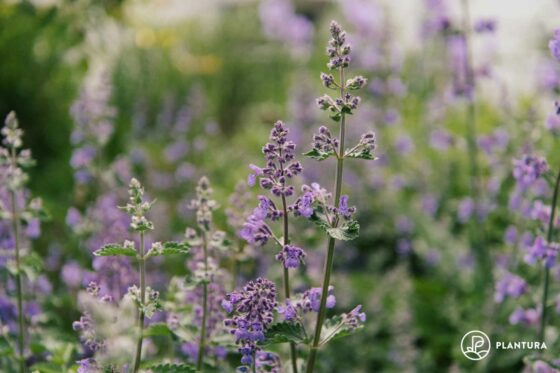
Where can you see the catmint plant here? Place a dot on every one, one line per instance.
(145, 298)
(337, 220)
(207, 277)
(276, 177)
(18, 209)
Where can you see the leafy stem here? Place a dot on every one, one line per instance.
(331, 243)
(19, 289)
(142, 268)
(202, 344)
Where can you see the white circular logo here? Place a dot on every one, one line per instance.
(475, 345)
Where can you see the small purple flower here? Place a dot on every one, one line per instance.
(289, 310)
(291, 256)
(343, 209)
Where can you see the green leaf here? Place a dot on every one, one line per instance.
(348, 231)
(335, 328)
(172, 368)
(114, 249)
(318, 154)
(169, 248)
(285, 332)
(158, 329)
(364, 153)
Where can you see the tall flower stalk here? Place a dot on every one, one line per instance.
(146, 299)
(14, 160)
(546, 272)
(324, 146)
(280, 167)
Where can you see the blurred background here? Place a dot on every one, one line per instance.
(171, 90)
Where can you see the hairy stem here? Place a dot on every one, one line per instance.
(546, 276)
(331, 243)
(293, 351)
(142, 268)
(202, 344)
(19, 287)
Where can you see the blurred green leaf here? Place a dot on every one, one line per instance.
(285, 332)
(172, 368)
(350, 230)
(114, 249)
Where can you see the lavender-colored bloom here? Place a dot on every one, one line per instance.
(280, 22)
(511, 235)
(280, 167)
(553, 123)
(354, 318)
(251, 309)
(485, 25)
(528, 169)
(524, 316)
(291, 256)
(441, 140)
(343, 209)
(542, 250)
(509, 285)
(311, 299)
(554, 45)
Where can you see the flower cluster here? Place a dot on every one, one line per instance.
(280, 167)
(252, 309)
(309, 301)
(86, 325)
(528, 169)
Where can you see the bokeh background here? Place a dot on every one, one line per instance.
(184, 88)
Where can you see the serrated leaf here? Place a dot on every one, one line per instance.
(172, 368)
(364, 153)
(350, 230)
(170, 248)
(158, 329)
(285, 332)
(318, 154)
(114, 249)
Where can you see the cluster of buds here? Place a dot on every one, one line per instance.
(137, 207)
(280, 167)
(203, 204)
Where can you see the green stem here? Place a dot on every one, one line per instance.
(202, 344)
(142, 267)
(546, 269)
(331, 243)
(293, 351)
(19, 287)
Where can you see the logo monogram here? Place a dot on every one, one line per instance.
(475, 345)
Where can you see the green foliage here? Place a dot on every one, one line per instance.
(363, 153)
(348, 231)
(114, 249)
(168, 248)
(172, 368)
(285, 332)
(318, 154)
